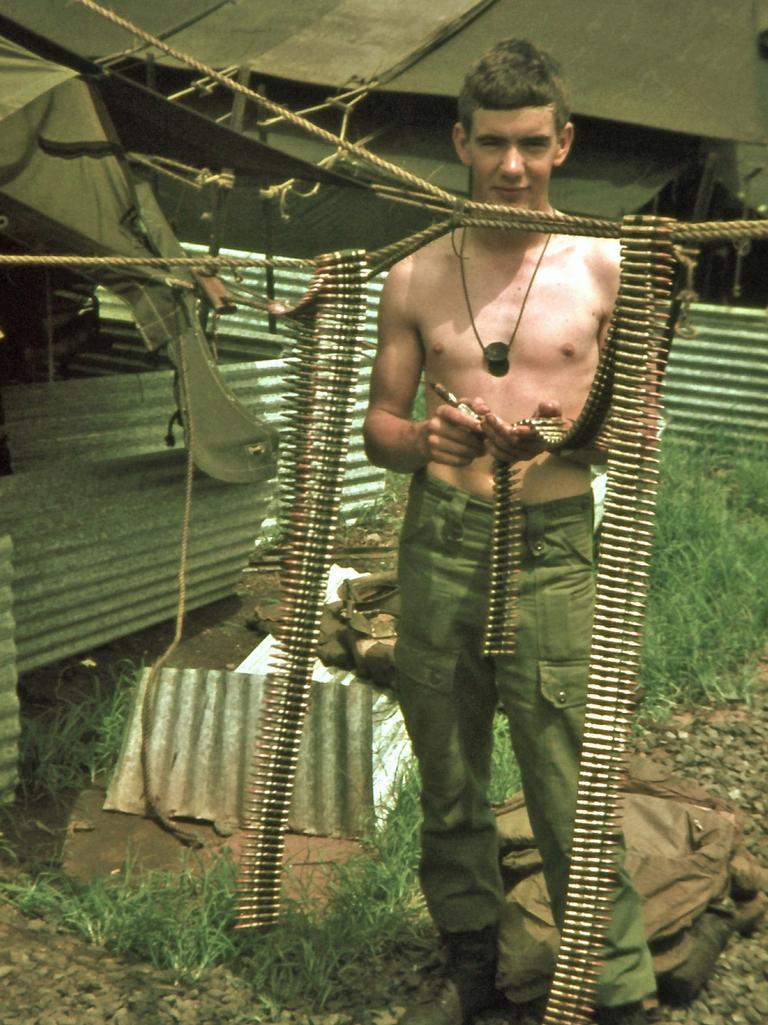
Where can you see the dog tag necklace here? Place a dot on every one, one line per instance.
(496, 354)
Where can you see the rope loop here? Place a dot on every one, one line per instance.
(688, 294)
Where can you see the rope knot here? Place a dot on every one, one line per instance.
(458, 211)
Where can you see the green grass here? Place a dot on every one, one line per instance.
(385, 512)
(179, 921)
(77, 738)
(707, 617)
(183, 922)
(505, 779)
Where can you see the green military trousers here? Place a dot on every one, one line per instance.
(449, 694)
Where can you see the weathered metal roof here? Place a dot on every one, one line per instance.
(199, 752)
(716, 385)
(9, 702)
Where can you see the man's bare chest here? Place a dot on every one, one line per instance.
(557, 324)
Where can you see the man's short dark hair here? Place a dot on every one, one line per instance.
(513, 74)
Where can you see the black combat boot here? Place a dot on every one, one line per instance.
(470, 984)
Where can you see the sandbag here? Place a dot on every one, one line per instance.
(357, 631)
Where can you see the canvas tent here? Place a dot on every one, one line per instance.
(692, 67)
(650, 80)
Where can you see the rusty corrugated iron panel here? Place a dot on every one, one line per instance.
(96, 548)
(9, 702)
(716, 385)
(204, 724)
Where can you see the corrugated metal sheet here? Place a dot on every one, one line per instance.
(126, 415)
(96, 547)
(9, 702)
(119, 414)
(199, 752)
(94, 504)
(716, 385)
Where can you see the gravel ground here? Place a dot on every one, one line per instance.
(48, 977)
(727, 752)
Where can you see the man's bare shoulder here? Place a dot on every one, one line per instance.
(603, 255)
(600, 257)
(599, 252)
(420, 269)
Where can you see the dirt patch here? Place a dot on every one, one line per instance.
(102, 843)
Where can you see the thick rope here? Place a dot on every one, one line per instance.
(196, 262)
(153, 800)
(193, 177)
(383, 258)
(380, 259)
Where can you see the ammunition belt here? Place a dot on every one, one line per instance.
(622, 410)
(314, 445)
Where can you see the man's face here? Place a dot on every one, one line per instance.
(511, 154)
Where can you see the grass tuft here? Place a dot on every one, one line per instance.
(707, 613)
(76, 739)
(179, 921)
(183, 921)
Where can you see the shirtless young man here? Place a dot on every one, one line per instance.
(440, 310)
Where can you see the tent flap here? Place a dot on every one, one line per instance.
(75, 196)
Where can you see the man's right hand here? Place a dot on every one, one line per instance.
(451, 437)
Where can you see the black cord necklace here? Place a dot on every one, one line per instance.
(496, 354)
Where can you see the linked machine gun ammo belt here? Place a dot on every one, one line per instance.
(622, 411)
(321, 393)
